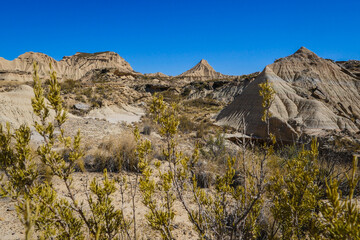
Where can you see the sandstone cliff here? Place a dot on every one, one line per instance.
(72, 67)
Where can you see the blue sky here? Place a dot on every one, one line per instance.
(236, 37)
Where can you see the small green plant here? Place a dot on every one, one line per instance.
(215, 149)
(268, 93)
(186, 125)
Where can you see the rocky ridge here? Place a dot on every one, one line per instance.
(156, 75)
(70, 67)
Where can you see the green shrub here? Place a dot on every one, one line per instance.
(296, 196)
(215, 150)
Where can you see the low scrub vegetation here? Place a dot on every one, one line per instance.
(255, 195)
(115, 154)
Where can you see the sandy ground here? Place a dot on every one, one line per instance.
(114, 114)
(11, 228)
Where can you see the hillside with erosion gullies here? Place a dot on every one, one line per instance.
(178, 157)
(314, 96)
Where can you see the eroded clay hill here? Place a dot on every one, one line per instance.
(202, 71)
(313, 95)
(72, 67)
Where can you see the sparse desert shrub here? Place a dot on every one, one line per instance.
(202, 103)
(79, 165)
(45, 173)
(80, 98)
(225, 211)
(147, 129)
(204, 179)
(159, 197)
(268, 93)
(69, 85)
(116, 154)
(87, 92)
(289, 151)
(186, 92)
(341, 216)
(103, 159)
(201, 130)
(170, 96)
(296, 196)
(215, 150)
(186, 124)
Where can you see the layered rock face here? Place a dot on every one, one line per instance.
(352, 66)
(72, 67)
(202, 71)
(312, 95)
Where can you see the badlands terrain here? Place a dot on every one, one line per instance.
(314, 96)
(106, 98)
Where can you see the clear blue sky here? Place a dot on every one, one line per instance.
(236, 37)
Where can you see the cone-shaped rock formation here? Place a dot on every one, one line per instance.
(202, 71)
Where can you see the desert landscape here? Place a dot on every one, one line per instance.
(200, 155)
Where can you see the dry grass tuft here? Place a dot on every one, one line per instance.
(115, 153)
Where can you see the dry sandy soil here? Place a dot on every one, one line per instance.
(11, 228)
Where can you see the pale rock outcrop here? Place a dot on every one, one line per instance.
(16, 108)
(294, 110)
(114, 114)
(72, 67)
